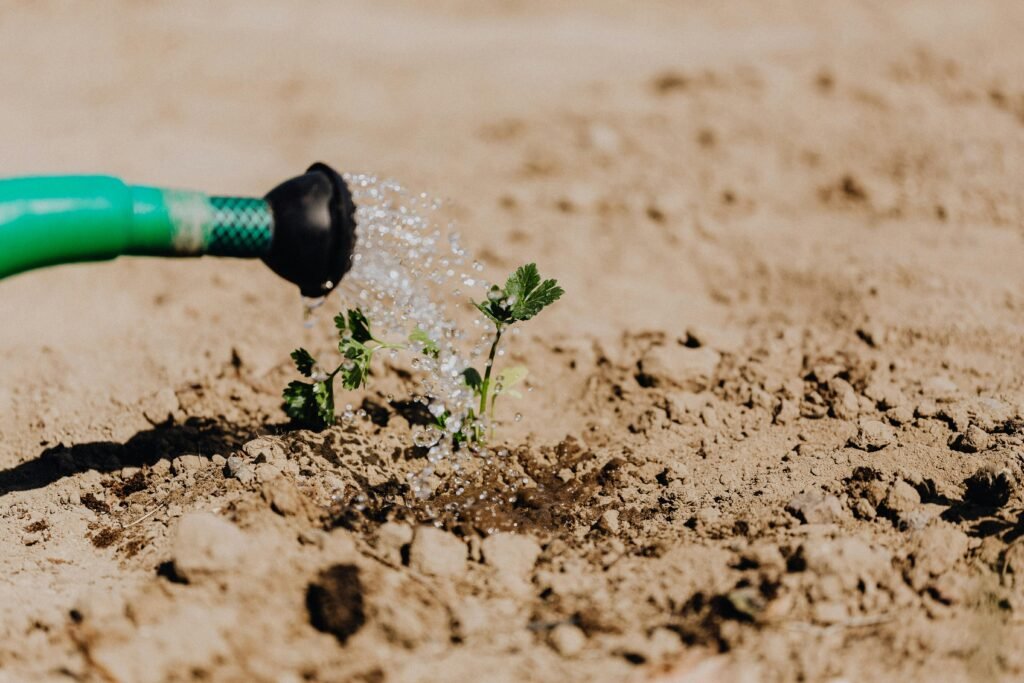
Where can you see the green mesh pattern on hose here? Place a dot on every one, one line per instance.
(242, 226)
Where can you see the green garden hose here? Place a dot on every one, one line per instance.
(304, 229)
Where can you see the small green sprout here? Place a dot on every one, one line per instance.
(313, 402)
(523, 297)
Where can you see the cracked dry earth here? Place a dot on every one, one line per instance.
(777, 424)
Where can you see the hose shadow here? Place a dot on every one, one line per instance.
(196, 436)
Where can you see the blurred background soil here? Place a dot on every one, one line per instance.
(777, 419)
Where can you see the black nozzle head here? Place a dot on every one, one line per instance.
(314, 230)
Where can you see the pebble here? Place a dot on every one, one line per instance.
(873, 435)
(437, 552)
(901, 502)
(974, 440)
(610, 521)
(815, 508)
(900, 415)
(205, 545)
(939, 547)
(263, 450)
(284, 497)
(844, 403)
(186, 463)
(567, 640)
(240, 470)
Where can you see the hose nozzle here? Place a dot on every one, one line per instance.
(314, 230)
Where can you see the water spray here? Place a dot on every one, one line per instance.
(303, 229)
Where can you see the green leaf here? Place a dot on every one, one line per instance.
(528, 295)
(522, 282)
(323, 395)
(304, 362)
(340, 323)
(473, 379)
(430, 347)
(359, 325)
(310, 403)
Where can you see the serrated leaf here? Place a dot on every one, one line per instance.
(304, 362)
(359, 326)
(310, 403)
(430, 347)
(522, 282)
(323, 396)
(527, 295)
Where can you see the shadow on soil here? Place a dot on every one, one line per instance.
(196, 436)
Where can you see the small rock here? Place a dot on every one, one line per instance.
(204, 545)
(240, 470)
(873, 435)
(787, 411)
(680, 366)
(263, 450)
(956, 415)
(901, 502)
(989, 487)
(974, 440)
(186, 463)
(610, 521)
(863, 509)
(939, 547)
(437, 552)
(161, 406)
(567, 640)
(161, 468)
(900, 415)
(514, 554)
(844, 402)
(815, 508)
(391, 538)
(284, 497)
(885, 395)
(926, 408)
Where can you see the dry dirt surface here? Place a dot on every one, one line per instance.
(776, 431)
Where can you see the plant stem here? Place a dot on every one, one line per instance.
(485, 387)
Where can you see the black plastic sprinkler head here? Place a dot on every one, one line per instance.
(314, 230)
(304, 228)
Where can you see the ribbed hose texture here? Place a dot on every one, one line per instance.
(242, 227)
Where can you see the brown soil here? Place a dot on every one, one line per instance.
(778, 421)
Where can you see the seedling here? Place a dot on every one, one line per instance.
(313, 402)
(523, 297)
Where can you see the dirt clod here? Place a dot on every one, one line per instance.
(206, 545)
